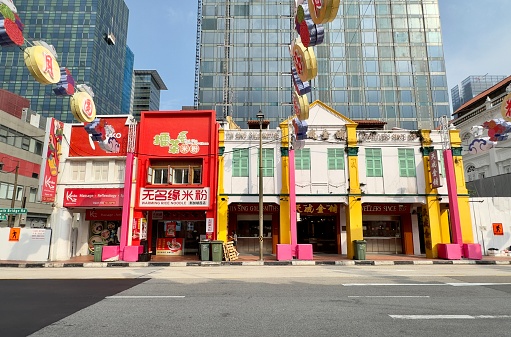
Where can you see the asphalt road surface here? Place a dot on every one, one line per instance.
(257, 301)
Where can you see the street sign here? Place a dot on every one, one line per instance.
(3, 217)
(13, 210)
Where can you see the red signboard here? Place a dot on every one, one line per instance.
(82, 144)
(93, 197)
(317, 209)
(386, 208)
(103, 214)
(50, 165)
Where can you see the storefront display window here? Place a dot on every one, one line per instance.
(105, 232)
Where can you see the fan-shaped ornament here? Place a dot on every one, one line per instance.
(304, 61)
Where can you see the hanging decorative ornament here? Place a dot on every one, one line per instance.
(42, 64)
(311, 34)
(301, 106)
(498, 129)
(66, 85)
(304, 61)
(83, 107)
(104, 134)
(505, 108)
(11, 28)
(323, 11)
(301, 88)
(9, 4)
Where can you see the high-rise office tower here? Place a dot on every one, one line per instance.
(148, 85)
(90, 39)
(471, 87)
(128, 82)
(381, 59)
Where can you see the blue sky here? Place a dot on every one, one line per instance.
(162, 34)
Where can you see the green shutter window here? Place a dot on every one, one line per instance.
(406, 163)
(303, 159)
(335, 159)
(240, 163)
(268, 163)
(374, 166)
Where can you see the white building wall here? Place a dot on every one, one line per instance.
(486, 212)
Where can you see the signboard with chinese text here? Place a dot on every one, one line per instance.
(314, 208)
(210, 225)
(505, 108)
(434, 167)
(89, 197)
(174, 197)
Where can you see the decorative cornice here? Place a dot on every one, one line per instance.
(426, 150)
(456, 151)
(284, 152)
(221, 150)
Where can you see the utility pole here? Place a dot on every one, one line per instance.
(14, 194)
(260, 116)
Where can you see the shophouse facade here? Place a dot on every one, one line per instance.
(91, 189)
(175, 202)
(349, 184)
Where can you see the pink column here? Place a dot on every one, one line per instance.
(452, 191)
(128, 175)
(292, 201)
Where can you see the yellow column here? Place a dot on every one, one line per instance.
(285, 221)
(354, 209)
(467, 234)
(222, 199)
(434, 229)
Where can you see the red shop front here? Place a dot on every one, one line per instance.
(177, 176)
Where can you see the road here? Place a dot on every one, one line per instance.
(463, 300)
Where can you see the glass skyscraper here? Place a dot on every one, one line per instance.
(128, 81)
(148, 85)
(471, 87)
(381, 59)
(77, 29)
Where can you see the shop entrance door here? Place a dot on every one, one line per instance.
(320, 231)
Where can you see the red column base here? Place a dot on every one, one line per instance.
(449, 251)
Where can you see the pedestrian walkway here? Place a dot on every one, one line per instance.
(253, 260)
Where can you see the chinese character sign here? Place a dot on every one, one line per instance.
(174, 197)
(436, 181)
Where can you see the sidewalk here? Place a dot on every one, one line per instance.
(253, 260)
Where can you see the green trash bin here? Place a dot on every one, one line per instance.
(217, 250)
(204, 250)
(98, 251)
(360, 249)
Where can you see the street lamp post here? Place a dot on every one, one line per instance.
(260, 116)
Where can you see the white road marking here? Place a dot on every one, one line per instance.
(392, 284)
(449, 316)
(476, 284)
(142, 297)
(464, 284)
(390, 296)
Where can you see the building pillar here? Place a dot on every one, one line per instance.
(354, 210)
(285, 206)
(431, 211)
(222, 199)
(463, 196)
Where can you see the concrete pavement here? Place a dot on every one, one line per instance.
(252, 260)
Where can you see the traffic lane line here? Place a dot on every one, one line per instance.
(424, 317)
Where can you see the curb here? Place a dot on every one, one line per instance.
(121, 264)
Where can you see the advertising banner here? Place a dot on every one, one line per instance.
(93, 197)
(170, 246)
(50, 163)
